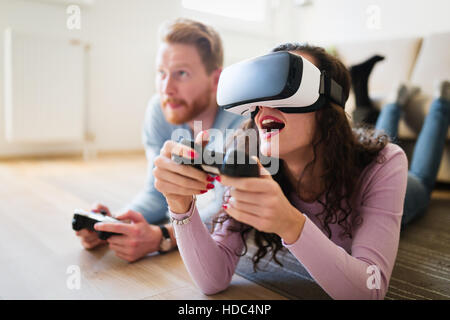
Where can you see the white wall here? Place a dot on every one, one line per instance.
(330, 21)
(34, 18)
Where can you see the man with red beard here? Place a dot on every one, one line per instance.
(189, 62)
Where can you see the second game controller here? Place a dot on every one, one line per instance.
(86, 220)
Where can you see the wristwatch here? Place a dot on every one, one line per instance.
(166, 242)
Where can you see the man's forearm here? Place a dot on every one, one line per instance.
(152, 206)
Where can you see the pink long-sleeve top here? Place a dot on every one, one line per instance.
(345, 268)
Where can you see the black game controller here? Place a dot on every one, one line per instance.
(86, 220)
(233, 163)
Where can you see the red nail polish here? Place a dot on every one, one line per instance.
(225, 206)
(218, 178)
(203, 191)
(209, 186)
(210, 179)
(193, 154)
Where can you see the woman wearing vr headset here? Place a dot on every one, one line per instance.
(336, 203)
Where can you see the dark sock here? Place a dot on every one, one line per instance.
(360, 78)
(365, 115)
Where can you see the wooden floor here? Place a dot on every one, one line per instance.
(38, 247)
(37, 244)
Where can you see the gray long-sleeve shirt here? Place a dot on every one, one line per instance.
(150, 202)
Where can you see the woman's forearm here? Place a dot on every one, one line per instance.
(210, 261)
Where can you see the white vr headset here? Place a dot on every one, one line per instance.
(281, 80)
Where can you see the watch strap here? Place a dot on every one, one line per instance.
(165, 238)
(164, 231)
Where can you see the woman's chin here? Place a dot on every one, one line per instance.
(269, 145)
(265, 152)
(267, 149)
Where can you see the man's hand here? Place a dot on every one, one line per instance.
(137, 238)
(90, 239)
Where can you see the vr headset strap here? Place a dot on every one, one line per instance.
(331, 89)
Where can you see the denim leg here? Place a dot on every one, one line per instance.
(430, 143)
(416, 199)
(388, 120)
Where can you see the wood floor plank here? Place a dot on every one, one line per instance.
(38, 245)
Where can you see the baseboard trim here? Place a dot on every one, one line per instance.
(69, 155)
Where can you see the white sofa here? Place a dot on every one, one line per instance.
(416, 60)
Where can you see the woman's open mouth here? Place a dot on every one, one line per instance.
(270, 126)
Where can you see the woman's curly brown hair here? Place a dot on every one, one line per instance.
(348, 151)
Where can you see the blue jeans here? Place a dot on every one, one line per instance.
(426, 157)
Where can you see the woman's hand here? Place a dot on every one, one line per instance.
(260, 203)
(178, 182)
